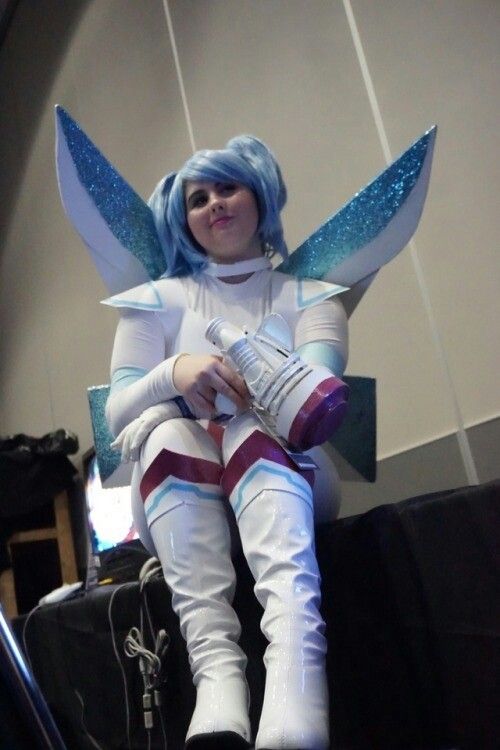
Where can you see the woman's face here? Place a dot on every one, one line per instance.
(223, 219)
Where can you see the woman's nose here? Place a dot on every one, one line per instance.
(216, 204)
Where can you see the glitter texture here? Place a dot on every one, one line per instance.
(360, 220)
(108, 460)
(126, 214)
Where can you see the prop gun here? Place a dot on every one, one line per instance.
(301, 403)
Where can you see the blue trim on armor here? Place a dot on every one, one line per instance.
(125, 376)
(266, 469)
(181, 487)
(321, 353)
(137, 304)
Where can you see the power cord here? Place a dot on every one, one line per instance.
(151, 663)
(151, 666)
(117, 656)
(151, 660)
(152, 569)
(25, 628)
(91, 739)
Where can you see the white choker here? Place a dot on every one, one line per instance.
(220, 270)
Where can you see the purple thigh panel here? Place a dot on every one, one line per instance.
(190, 469)
(257, 446)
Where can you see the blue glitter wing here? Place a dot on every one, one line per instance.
(114, 222)
(371, 228)
(112, 471)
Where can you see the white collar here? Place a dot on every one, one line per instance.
(220, 270)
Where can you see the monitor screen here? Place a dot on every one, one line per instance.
(109, 512)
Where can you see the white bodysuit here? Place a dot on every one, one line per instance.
(165, 318)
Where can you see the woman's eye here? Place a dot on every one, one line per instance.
(197, 201)
(228, 188)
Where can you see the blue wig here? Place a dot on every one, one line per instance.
(245, 160)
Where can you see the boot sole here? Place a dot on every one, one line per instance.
(218, 741)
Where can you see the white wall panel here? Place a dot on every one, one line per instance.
(441, 62)
(288, 72)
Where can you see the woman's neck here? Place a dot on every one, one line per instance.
(236, 279)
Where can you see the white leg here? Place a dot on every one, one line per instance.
(273, 506)
(187, 522)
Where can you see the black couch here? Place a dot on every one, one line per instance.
(412, 606)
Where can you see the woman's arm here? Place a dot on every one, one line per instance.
(141, 376)
(321, 336)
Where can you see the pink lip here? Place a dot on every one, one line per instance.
(221, 221)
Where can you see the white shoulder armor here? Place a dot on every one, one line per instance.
(163, 294)
(300, 294)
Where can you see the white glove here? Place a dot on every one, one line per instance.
(131, 438)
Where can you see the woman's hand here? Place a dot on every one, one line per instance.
(199, 378)
(131, 438)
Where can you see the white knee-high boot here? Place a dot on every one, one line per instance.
(187, 521)
(273, 506)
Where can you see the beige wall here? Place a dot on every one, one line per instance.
(287, 71)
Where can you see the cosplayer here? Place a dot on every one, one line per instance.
(216, 331)
(218, 220)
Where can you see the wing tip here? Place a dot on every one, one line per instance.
(61, 114)
(430, 137)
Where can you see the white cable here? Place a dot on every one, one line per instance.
(463, 440)
(78, 695)
(179, 74)
(115, 649)
(82, 719)
(150, 662)
(148, 613)
(134, 646)
(25, 626)
(163, 730)
(151, 569)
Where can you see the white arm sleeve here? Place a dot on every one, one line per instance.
(321, 335)
(140, 374)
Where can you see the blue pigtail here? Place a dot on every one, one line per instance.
(270, 188)
(182, 258)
